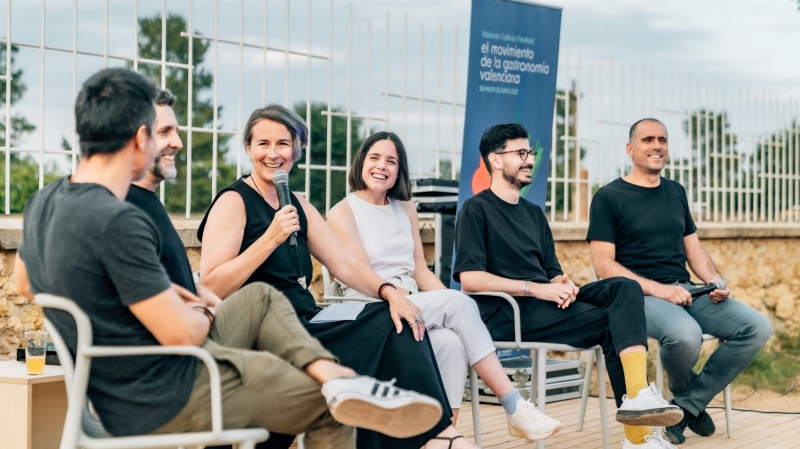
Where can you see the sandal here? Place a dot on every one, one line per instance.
(450, 440)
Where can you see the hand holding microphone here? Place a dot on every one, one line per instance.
(721, 293)
(719, 284)
(281, 180)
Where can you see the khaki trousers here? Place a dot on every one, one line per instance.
(261, 349)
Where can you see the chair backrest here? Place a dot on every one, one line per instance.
(76, 375)
(330, 288)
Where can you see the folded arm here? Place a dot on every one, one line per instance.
(559, 290)
(169, 316)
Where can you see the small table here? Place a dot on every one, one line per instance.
(32, 408)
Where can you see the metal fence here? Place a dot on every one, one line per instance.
(322, 57)
(737, 152)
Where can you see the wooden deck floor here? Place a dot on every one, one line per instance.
(751, 430)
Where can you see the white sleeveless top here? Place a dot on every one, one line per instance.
(385, 233)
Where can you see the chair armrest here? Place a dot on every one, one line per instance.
(514, 306)
(200, 353)
(329, 299)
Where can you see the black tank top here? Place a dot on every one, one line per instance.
(281, 267)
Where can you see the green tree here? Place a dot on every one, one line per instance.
(446, 169)
(24, 169)
(770, 162)
(318, 152)
(711, 158)
(177, 80)
(564, 126)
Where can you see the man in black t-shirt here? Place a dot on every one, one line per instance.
(172, 252)
(641, 227)
(504, 244)
(81, 241)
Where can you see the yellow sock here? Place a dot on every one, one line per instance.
(636, 434)
(634, 364)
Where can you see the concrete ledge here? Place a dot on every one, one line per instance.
(11, 231)
(563, 232)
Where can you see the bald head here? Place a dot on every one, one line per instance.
(635, 127)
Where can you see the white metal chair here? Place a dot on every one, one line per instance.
(538, 390)
(332, 291)
(83, 429)
(726, 391)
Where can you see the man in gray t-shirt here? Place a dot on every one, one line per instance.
(83, 242)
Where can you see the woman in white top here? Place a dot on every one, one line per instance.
(378, 224)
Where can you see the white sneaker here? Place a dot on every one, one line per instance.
(529, 423)
(653, 441)
(648, 408)
(368, 403)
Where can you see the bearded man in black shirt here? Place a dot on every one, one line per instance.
(504, 244)
(172, 251)
(640, 227)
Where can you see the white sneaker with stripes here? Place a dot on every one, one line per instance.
(368, 403)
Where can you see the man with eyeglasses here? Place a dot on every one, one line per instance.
(504, 244)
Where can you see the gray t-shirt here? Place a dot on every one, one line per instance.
(82, 243)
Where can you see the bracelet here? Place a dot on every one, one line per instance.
(526, 288)
(384, 285)
(208, 313)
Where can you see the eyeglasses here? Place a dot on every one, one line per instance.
(523, 154)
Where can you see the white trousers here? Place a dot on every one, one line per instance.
(458, 335)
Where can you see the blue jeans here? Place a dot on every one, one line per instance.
(680, 331)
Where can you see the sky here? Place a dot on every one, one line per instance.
(725, 45)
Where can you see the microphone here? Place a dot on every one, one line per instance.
(708, 288)
(281, 180)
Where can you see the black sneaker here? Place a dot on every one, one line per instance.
(675, 433)
(703, 425)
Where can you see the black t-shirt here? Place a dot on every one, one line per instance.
(647, 225)
(512, 241)
(82, 243)
(172, 252)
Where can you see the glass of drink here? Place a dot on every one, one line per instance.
(35, 351)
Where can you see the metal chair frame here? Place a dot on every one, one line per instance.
(538, 390)
(726, 391)
(76, 377)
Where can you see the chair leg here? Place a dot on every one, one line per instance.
(541, 389)
(587, 380)
(659, 370)
(659, 381)
(246, 445)
(532, 395)
(476, 407)
(601, 387)
(728, 417)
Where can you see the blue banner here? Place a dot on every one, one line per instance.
(513, 57)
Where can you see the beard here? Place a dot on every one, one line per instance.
(160, 170)
(513, 177)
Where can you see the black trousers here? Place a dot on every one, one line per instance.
(608, 312)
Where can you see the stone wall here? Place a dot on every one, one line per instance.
(762, 267)
(761, 272)
(17, 314)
